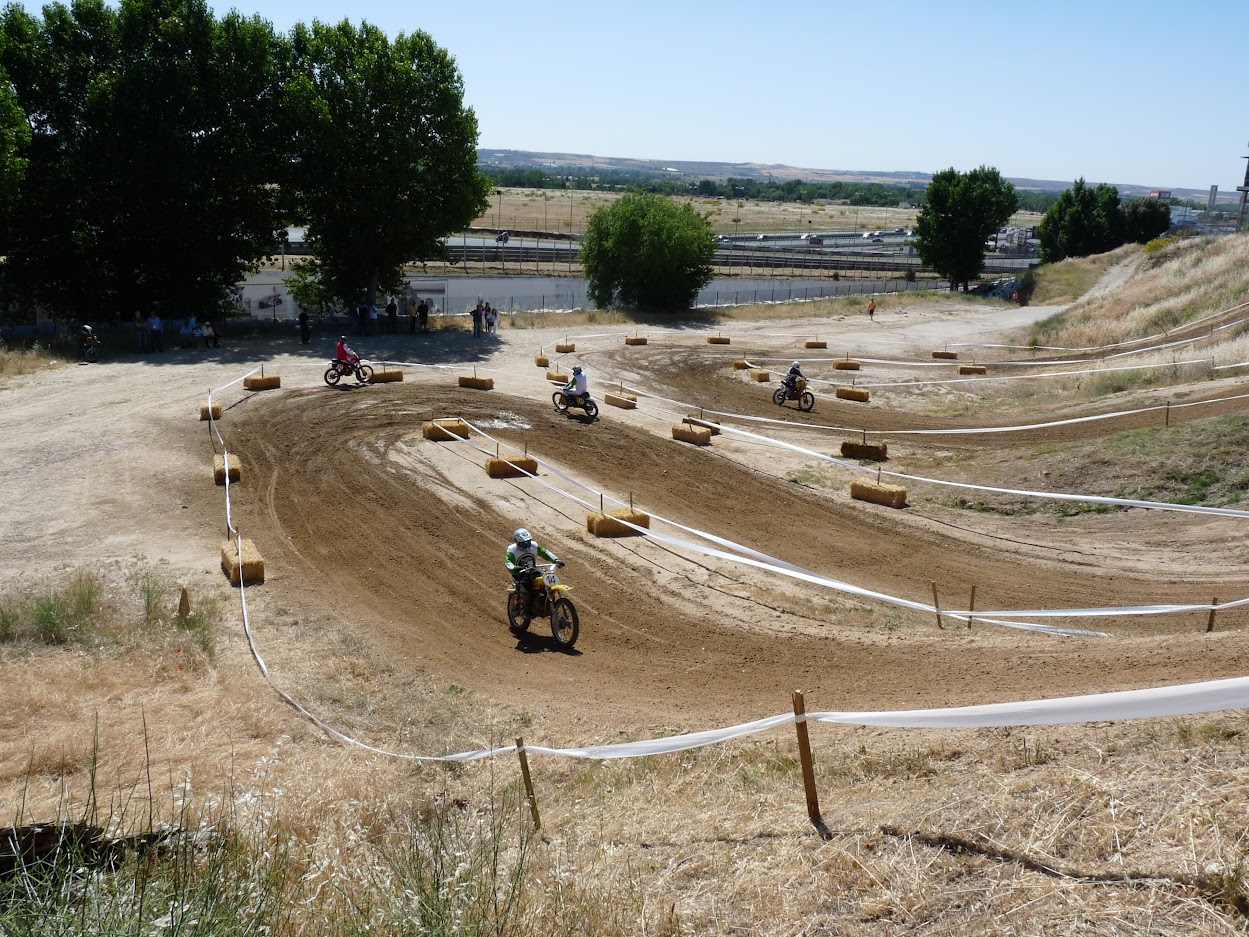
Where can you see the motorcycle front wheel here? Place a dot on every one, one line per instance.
(560, 401)
(564, 624)
(516, 618)
(591, 409)
(364, 374)
(91, 353)
(806, 401)
(331, 376)
(778, 396)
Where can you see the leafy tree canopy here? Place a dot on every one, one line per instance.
(386, 153)
(647, 252)
(962, 210)
(152, 158)
(1092, 221)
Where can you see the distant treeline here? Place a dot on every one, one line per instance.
(762, 190)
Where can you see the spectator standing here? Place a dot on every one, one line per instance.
(422, 315)
(478, 315)
(491, 318)
(154, 330)
(211, 335)
(373, 319)
(871, 309)
(140, 332)
(407, 308)
(392, 316)
(305, 328)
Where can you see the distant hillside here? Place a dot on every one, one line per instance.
(554, 162)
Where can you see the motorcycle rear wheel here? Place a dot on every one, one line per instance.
(560, 401)
(91, 353)
(591, 409)
(516, 618)
(364, 374)
(564, 623)
(806, 401)
(331, 376)
(778, 396)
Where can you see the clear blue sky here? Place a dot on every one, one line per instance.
(1150, 93)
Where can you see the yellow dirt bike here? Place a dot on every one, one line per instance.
(799, 392)
(547, 599)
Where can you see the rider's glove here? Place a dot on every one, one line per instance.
(559, 563)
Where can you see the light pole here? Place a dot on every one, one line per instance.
(732, 263)
(498, 215)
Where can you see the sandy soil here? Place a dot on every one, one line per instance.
(365, 524)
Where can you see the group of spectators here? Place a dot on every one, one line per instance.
(369, 318)
(484, 318)
(150, 333)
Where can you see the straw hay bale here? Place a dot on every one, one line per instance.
(713, 425)
(846, 364)
(205, 414)
(564, 348)
(219, 468)
(257, 382)
(541, 360)
(876, 451)
(718, 340)
(760, 375)
(557, 376)
(387, 376)
(252, 569)
(815, 343)
(635, 339)
(972, 369)
(478, 383)
(852, 393)
(441, 430)
(698, 435)
(608, 523)
(741, 364)
(515, 466)
(891, 496)
(950, 355)
(623, 401)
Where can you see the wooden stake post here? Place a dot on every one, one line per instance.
(808, 767)
(524, 773)
(1210, 621)
(936, 605)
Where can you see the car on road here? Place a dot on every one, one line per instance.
(878, 240)
(502, 237)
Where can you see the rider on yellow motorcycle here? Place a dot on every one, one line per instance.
(522, 554)
(579, 386)
(790, 380)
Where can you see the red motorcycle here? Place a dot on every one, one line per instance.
(339, 369)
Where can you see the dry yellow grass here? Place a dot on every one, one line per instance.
(558, 211)
(1137, 827)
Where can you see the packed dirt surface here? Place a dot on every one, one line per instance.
(364, 524)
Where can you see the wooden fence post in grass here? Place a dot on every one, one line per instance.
(1167, 422)
(1210, 621)
(524, 773)
(808, 767)
(936, 605)
(184, 604)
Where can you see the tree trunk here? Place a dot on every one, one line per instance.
(371, 297)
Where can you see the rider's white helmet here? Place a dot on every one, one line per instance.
(576, 369)
(521, 537)
(794, 365)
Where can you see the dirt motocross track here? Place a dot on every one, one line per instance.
(362, 521)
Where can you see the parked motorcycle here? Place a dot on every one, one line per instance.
(799, 392)
(547, 599)
(563, 399)
(340, 369)
(89, 346)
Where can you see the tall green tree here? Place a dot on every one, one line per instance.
(961, 211)
(385, 153)
(153, 157)
(647, 252)
(1082, 221)
(1145, 219)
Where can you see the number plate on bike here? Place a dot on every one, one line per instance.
(550, 578)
